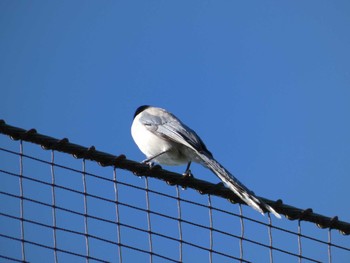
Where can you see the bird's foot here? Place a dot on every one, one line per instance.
(149, 163)
(221, 184)
(188, 173)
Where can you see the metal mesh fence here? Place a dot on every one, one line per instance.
(101, 208)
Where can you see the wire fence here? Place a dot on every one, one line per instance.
(97, 207)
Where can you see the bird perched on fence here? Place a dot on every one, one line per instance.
(164, 139)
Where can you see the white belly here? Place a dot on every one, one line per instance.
(152, 145)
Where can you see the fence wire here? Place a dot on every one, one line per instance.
(54, 208)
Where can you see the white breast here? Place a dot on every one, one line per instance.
(151, 145)
(148, 142)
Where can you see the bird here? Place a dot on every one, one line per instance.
(166, 140)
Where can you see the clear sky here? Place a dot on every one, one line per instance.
(266, 84)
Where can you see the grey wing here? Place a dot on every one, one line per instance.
(169, 127)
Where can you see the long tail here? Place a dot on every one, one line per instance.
(236, 186)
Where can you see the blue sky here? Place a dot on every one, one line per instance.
(266, 84)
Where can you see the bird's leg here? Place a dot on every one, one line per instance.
(148, 160)
(188, 171)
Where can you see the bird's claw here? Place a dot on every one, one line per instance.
(219, 186)
(150, 164)
(188, 173)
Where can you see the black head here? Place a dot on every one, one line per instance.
(140, 109)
